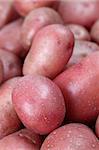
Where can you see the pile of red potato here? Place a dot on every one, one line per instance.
(49, 75)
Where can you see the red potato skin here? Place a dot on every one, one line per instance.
(83, 12)
(79, 85)
(21, 140)
(42, 108)
(51, 49)
(71, 137)
(11, 64)
(24, 7)
(80, 32)
(95, 32)
(1, 72)
(97, 127)
(35, 20)
(10, 38)
(9, 121)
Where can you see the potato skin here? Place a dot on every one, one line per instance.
(10, 38)
(83, 12)
(1, 72)
(21, 140)
(79, 85)
(11, 64)
(9, 121)
(24, 7)
(50, 51)
(39, 104)
(95, 32)
(71, 136)
(35, 20)
(97, 127)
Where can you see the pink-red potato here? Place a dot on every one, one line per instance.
(39, 103)
(95, 32)
(80, 32)
(71, 137)
(50, 51)
(9, 121)
(21, 140)
(97, 127)
(81, 50)
(1, 72)
(35, 20)
(7, 12)
(11, 64)
(83, 12)
(10, 38)
(80, 88)
(23, 7)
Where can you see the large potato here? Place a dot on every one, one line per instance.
(39, 103)
(9, 121)
(80, 87)
(10, 38)
(50, 51)
(23, 7)
(11, 64)
(35, 20)
(97, 126)
(71, 137)
(95, 32)
(21, 140)
(83, 12)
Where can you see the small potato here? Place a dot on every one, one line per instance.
(95, 32)
(81, 50)
(83, 12)
(23, 7)
(97, 127)
(1, 72)
(80, 87)
(50, 51)
(21, 140)
(39, 103)
(9, 122)
(71, 137)
(80, 32)
(35, 20)
(10, 38)
(11, 64)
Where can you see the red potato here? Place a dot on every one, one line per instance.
(10, 38)
(95, 32)
(7, 12)
(81, 50)
(39, 104)
(11, 64)
(71, 137)
(80, 32)
(35, 20)
(24, 7)
(1, 72)
(21, 140)
(51, 49)
(83, 12)
(97, 127)
(9, 121)
(80, 88)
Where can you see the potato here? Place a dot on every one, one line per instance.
(11, 64)
(80, 87)
(9, 121)
(83, 12)
(1, 72)
(10, 38)
(95, 32)
(35, 20)
(39, 103)
(21, 140)
(97, 127)
(80, 33)
(71, 137)
(24, 7)
(7, 12)
(81, 50)
(50, 51)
